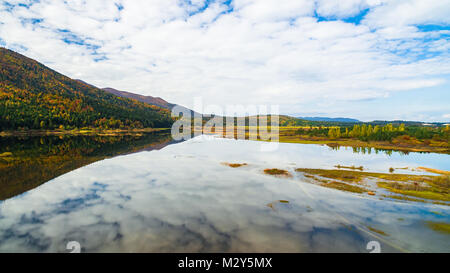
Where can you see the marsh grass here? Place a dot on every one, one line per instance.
(357, 176)
(347, 176)
(404, 198)
(316, 178)
(377, 231)
(272, 204)
(430, 170)
(439, 226)
(441, 182)
(344, 187)
(235, 165)
(361, 168)
(277, 172)
(434, 188)
(404, 186)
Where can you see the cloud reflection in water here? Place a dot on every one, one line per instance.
(181, 199)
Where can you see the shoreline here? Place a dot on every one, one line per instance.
(350, 142)
(288, 135)
(354, 143)
(333, 143)
(80, 132)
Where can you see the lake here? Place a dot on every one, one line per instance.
(149, 193)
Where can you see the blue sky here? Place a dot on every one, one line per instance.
(366, 59)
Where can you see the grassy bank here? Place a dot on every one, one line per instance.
(356, 143)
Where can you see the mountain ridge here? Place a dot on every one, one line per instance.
(338, 119)
(34, 96)
(157, 101)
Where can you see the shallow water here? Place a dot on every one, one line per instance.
(183, 199)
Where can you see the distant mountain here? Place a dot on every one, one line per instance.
(83, 82)
(330, 119)
(34, 96)
(407, 122)
(146, 99)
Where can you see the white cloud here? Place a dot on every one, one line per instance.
(342, 9)
(260, 52)
(268, 10)
(410, 12)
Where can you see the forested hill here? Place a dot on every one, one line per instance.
(149, 99)
(32, 96)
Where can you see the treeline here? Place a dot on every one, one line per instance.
(378, 133)
(287, 121)
(33, 96)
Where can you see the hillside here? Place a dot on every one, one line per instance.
(330, 119)
(156, 101)
(33, 96)
(146, 99)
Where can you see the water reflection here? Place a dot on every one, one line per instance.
(183, 199)
(31, 161)
(370, 150)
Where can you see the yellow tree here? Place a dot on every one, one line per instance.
(376, 129)
(355, 131)
(369, 130)
(331, 133)
(364, 130)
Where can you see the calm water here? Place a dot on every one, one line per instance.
(180, 198)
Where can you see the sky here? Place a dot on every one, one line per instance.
(365, 59)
